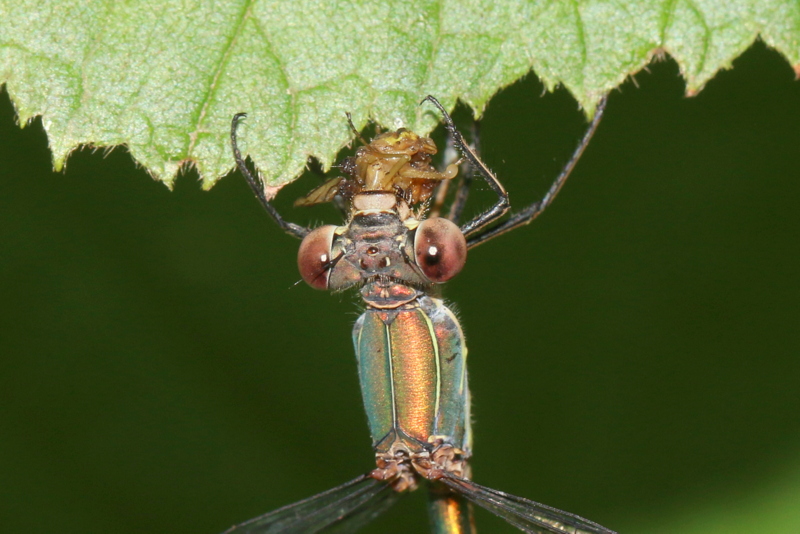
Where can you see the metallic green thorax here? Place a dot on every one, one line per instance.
(412, 369)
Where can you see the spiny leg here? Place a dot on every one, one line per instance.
(439, 198)
(501, 206)
(528, 214)
(353, 128)
(451, 157)
(460, 200)
(289, 227)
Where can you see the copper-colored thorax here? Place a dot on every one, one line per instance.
(396, 162)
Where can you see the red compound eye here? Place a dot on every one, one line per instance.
(440, 248)
(314, 256)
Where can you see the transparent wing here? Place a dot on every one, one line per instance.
(526, 515)
(340, 510)
(324, 193)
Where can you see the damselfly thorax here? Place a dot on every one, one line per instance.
(409, 346)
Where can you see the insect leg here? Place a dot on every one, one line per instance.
(501, 206)
(289, 227)
(353, 128)
(460, 200)
(439, 198)
(525, 216)
(451, 157)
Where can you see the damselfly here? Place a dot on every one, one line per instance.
(409, 346)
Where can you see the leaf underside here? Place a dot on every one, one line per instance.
(165, 78)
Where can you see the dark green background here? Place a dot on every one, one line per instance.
(634, 355)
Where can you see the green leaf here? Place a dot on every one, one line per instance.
(165, 78)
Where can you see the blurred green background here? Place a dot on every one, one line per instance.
(634, 354)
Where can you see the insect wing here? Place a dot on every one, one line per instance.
(324, 193)
(339, 510)
(365, 515)
(526, 515)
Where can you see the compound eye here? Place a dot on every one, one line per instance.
(314, 256)
(440, 248)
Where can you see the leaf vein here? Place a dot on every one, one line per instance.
(581, 31)
(293, 107)
(706, 37)
(212, 87)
